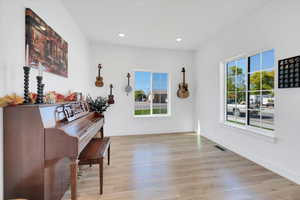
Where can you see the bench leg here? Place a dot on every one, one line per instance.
(101, 174)
(102, 133)
(108, 155)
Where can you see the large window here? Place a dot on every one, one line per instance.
(250, 90)
(151, 94)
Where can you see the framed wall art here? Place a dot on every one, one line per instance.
(289, 72)
(44, 47)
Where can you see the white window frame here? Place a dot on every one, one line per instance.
(168, 114)
(223, 74)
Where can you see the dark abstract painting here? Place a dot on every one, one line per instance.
(44, 46)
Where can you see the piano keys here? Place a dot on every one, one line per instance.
(41, 146)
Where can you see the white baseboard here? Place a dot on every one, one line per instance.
(149, 132)
(270, 166)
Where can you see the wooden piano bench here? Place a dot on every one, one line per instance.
(94, 153)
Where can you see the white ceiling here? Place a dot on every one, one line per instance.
(157, 23)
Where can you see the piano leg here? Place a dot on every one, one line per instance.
(73, 168)
(108, 155)
(102, 133)
(101, 174)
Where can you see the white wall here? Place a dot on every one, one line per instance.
(12, 23)
(2, 90)
(117, 62)
(274, 26)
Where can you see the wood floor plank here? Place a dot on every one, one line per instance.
(180, 167)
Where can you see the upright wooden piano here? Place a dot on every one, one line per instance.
(41, 147)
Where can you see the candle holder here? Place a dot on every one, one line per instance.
(26, 84)
(40, 90)
(43, 86)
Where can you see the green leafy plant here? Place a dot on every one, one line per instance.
(99, 104)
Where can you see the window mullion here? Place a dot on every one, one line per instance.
(151, 94)
(247, 92)
(261, 87)
(235, 90)
(225, 95)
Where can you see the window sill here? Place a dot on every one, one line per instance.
(151, 116)
(265, 134)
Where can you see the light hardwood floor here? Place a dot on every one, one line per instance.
(180, 167)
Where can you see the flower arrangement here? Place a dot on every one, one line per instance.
(99, 104)
(51, 97)
(11, 100)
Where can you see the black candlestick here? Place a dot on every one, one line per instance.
(40, 90)
(43, 86)
(26, 84)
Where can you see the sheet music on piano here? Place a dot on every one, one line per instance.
(72, 111)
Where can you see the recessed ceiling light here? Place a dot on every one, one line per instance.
(121, 35)
(178, 39)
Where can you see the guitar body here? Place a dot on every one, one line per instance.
(99, 78)
(183, 91)
(110, 99)
(110, 96)
(99, 82)
(128, 89)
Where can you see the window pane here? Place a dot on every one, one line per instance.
(231, 98)
(267, 116)
(231, 83)
(160, 93)
(255, 81)
(267, 100)
(254, 100)
(242, 66)
(231, 68)
(241, 82)
(268, 79)
(240, 110)
(267, 110)
(254, 118)
(241, 74)
(268, 59)
(142, 93)
(254, 63)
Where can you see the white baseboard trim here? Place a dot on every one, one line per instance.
(150, 132)
(270, 166)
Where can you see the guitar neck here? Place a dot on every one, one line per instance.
(128, 77)
(183, 77)
(99, 69)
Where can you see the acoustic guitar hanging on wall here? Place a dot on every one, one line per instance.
(110, 96)
(183, 91)
(99, 78)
